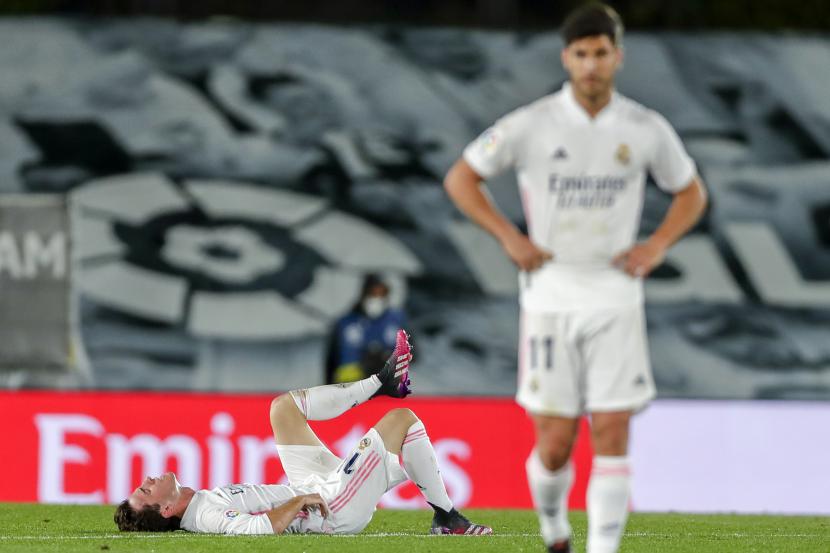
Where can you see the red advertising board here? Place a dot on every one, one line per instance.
(95, 447)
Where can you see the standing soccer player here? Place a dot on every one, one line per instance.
(581, 157)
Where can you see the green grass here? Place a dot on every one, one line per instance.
(34, 528)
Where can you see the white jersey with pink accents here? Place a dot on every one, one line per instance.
(581, 181)
(241, 508)
(583, 345)
(351, 488)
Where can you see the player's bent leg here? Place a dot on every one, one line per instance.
(550, 476)
(402, 432)
(368, 471)
(609, 487)
(289, 425)
(300, 450)
(393, 427)
(322, 403)
(327, 402)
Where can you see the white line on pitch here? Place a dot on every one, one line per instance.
(163, 535)
(196, 536)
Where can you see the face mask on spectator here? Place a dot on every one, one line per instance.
(374, 307)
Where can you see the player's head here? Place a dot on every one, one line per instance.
(151, 507)
(593, 48)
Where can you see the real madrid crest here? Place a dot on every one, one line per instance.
(364, 443)
(623, 154)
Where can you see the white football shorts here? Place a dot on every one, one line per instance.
(577, 362)
(351, 487)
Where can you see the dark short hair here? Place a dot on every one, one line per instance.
(146, 519)
(592, 20)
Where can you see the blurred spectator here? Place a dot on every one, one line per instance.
(362, 340)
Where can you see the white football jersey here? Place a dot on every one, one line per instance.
(582, 184)
(241, 508)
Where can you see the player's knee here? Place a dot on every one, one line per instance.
(280, 404)
(554, 455)
(554, 449)
(403, 416)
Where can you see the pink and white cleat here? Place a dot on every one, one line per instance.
(394, 376)
(454, 523)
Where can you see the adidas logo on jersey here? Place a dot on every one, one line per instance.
(560, 153)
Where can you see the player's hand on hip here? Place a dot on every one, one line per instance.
(524, 253)
(315, 501)
(640, 259)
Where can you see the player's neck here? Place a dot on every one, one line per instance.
(184, 500)
(593, 104)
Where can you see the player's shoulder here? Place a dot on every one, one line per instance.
(638, 114)
(204, 498)
(195, 510)
(634, 110)
(529, 114)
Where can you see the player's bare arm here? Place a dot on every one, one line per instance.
(282, 516)
(464, 187)
(685, 210)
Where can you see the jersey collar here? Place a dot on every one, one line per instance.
(189, 512)
(579, 113)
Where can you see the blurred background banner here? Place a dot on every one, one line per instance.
(92, 447)
(231, 185)
(34, 285)
(688, 456)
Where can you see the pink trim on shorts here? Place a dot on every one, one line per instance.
(362, 475)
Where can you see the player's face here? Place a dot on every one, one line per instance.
(163, 490)
(592, 62)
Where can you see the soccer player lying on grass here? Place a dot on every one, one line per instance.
(325, 494)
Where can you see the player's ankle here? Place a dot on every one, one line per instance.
(441, 513)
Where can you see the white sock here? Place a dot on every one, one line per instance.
(327, 402)
(422, 466)
(550, 491)
(608, 493)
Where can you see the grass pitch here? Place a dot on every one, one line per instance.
(33, 528)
